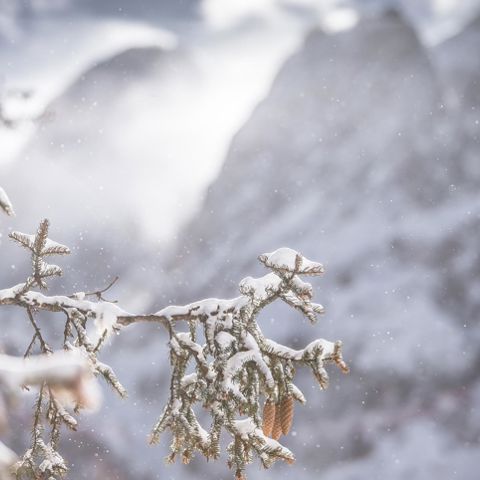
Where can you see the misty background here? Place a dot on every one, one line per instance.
(171, 142)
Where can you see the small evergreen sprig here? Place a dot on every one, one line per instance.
(40, 247)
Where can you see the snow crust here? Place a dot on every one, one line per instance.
(285, 259)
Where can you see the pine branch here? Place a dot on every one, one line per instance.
(234, 370)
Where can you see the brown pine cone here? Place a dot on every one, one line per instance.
(286, 414)
(268, 418)
(277, 424)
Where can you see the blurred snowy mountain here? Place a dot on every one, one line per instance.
(363, 155)
(356, 156)
(156, 95)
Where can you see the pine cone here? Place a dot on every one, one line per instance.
(268, 418)
(277, 424)
(286, 414)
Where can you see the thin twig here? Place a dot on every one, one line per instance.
(28, 350)
(44, 346)
(98, 293)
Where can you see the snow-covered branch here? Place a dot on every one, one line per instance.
(242, 378)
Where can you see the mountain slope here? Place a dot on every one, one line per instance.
(354, 160)
(459, 63)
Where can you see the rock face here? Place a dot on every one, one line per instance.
(355, 159)
(78, 161)
(76, 146)
(459, 64)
